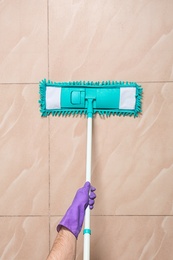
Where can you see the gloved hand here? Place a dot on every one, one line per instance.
(74, 217)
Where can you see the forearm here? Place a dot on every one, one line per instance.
(64, 247)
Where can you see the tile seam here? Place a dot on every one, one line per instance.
(48, 120)
(47, 216)
(36, 83)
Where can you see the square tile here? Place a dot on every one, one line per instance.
(131, 238)
(67, 160)
(24, 152)
(23, 45)
(132, 158)
(111, 40)
(126, 238)
(24, 238)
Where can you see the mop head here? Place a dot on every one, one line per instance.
(106, 98)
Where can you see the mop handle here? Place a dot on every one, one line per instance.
(87, 231)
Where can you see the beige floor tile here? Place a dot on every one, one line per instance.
(132, 238)
(133, 163)
(112, 40)
(24, 238)
(23, 45)
(126, 238)
(132, 158)
(24, 152)
(67, 160)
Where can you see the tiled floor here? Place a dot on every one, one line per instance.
(43, 159)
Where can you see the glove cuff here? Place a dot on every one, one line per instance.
(72, 220)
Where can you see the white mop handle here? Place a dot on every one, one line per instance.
(89, 149)
(86, 254)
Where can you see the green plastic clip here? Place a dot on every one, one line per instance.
(87, 231)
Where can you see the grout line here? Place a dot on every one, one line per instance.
(161, 81)
(20, 83)
(44, 216)
(132, 215)
(48, 38)
(36, 83)
(23, 216)
(110, 215)
(48, 120)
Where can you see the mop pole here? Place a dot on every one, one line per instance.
(87, 230)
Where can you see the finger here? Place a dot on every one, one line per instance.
(93, 188)
(91, 203)
(92, 195)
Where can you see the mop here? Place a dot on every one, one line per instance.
(89, 98)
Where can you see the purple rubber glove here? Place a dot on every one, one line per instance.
(74, 217)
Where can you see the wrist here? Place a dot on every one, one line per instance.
(65, 232)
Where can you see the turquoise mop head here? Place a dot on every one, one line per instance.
(88, 98)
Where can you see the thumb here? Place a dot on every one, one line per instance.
(87, 186)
